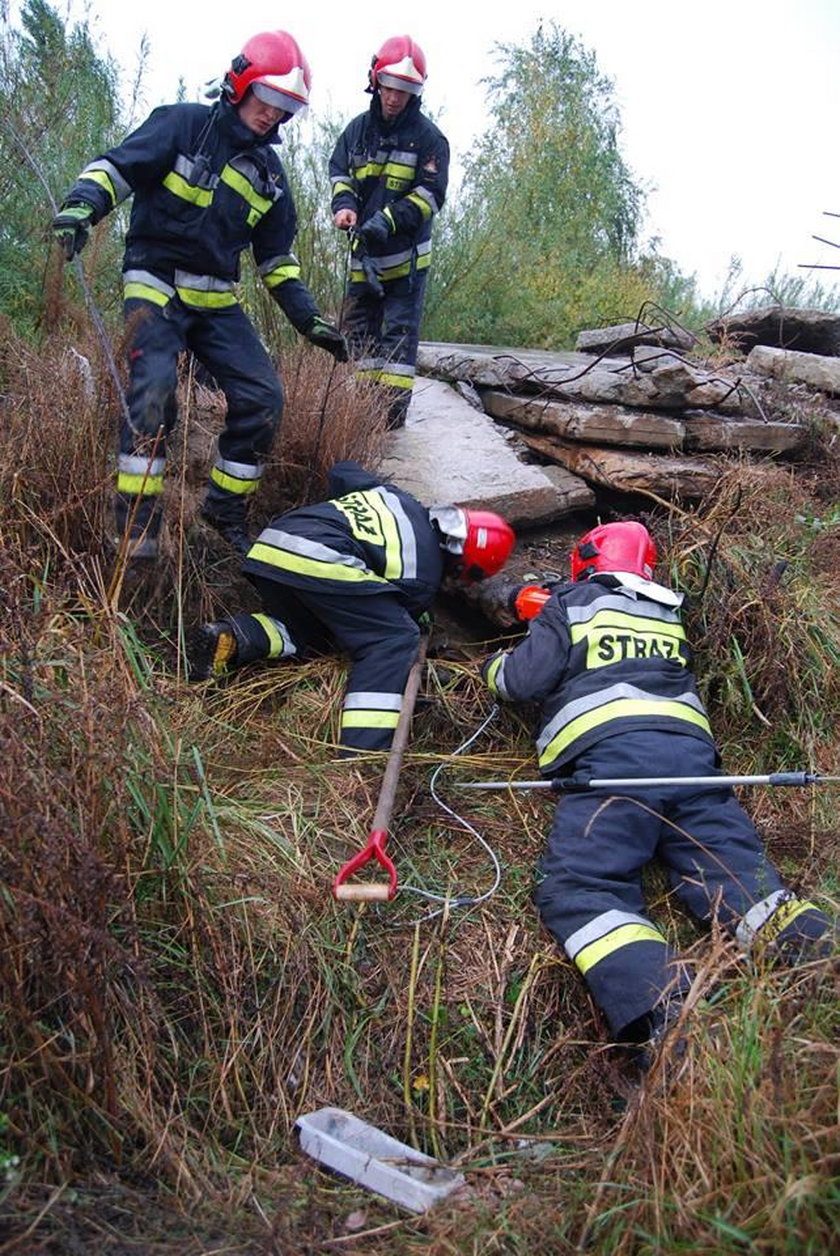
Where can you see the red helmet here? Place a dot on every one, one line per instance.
(615, 547)
(400, 63)
(273, 64)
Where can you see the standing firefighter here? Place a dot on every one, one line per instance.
(356, 572)
(607, 659)
(389, 172)
(207, 183)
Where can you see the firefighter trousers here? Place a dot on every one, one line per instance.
(225, 342)
(590, 892)
(383, 334)
(375, 630)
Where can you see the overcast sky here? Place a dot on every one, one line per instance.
(729, 108)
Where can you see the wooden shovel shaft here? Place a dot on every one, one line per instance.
(391, 777)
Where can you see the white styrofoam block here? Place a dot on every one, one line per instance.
(375, 1160)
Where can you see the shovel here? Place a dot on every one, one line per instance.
(381, 891)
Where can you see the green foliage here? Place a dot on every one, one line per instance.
(542, 238)
(58, 107)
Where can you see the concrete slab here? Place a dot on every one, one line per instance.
(450, 452)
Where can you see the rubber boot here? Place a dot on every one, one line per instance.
(227, 513)
(140, 518)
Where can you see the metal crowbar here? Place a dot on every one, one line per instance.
(367, 891)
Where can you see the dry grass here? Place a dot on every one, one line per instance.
(178, 984)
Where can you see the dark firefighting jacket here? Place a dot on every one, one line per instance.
(205, 188)
(603, 657)
(402, 168)
(369, 538)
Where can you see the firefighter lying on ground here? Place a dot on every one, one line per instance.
(607, 660)
(389, 172)
(207, 184)
(354, 572)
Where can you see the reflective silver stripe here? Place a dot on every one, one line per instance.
(404, 255)
(630, 606)
(240, 470)
(308, 549)
(427, 196)
(280, 644)
(149, 280)
(135, 464)
(599, 928)
(185, 167)
(408, 539)
(369, 364)
(496, 676)
(121, 187)
(401, 158)
(281, 260)
(361, 701)
(757, 916)
(591, 702)
(202, 283)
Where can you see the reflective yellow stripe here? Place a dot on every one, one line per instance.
(231, 484)
(394, 381)
(370, 171)
(370, 719)
(393, 546)
(102, 180)
(200, 300)
(179, 187)
(144, 292)
(287, 561)
(280, 275)
(140, 485)
(621, 708)
(492, 672)
(784, 915)
(421, 203)
(623, 936)
(341, 186)
(259, 204)
(397, 272)
(276, 644)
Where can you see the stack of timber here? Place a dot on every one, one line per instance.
(631, 413)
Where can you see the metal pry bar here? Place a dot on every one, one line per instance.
(578, 782)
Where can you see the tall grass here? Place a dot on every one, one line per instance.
(178, 985)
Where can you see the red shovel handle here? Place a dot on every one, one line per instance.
(367, 891)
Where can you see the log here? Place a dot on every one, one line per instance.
(708, 432)
(667, 476)
(601, 425)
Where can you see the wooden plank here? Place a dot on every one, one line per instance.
(665, 475)
(601, 425)
(704, 431)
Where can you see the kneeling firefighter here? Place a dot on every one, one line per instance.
(355, 572)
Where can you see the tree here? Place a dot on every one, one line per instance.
(58, 107)
(543, 237)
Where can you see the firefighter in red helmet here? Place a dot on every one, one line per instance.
(389, 172)
(206, 184)
(607, 659)
(355, 572)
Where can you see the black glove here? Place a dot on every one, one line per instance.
(325, 336)
(71, 227)
(377, 228)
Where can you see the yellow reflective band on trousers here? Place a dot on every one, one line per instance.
(276, 642)
(143, 292)
(784, 915)
(319, 569)
(231, 484)
(369, 719)
(624, 935)
(199, 299)
(139, 485)
(179, 187)
(620, 708)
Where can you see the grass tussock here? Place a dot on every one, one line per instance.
(178, 985)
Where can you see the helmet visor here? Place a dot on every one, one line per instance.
(277, 99)
(408, 85)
